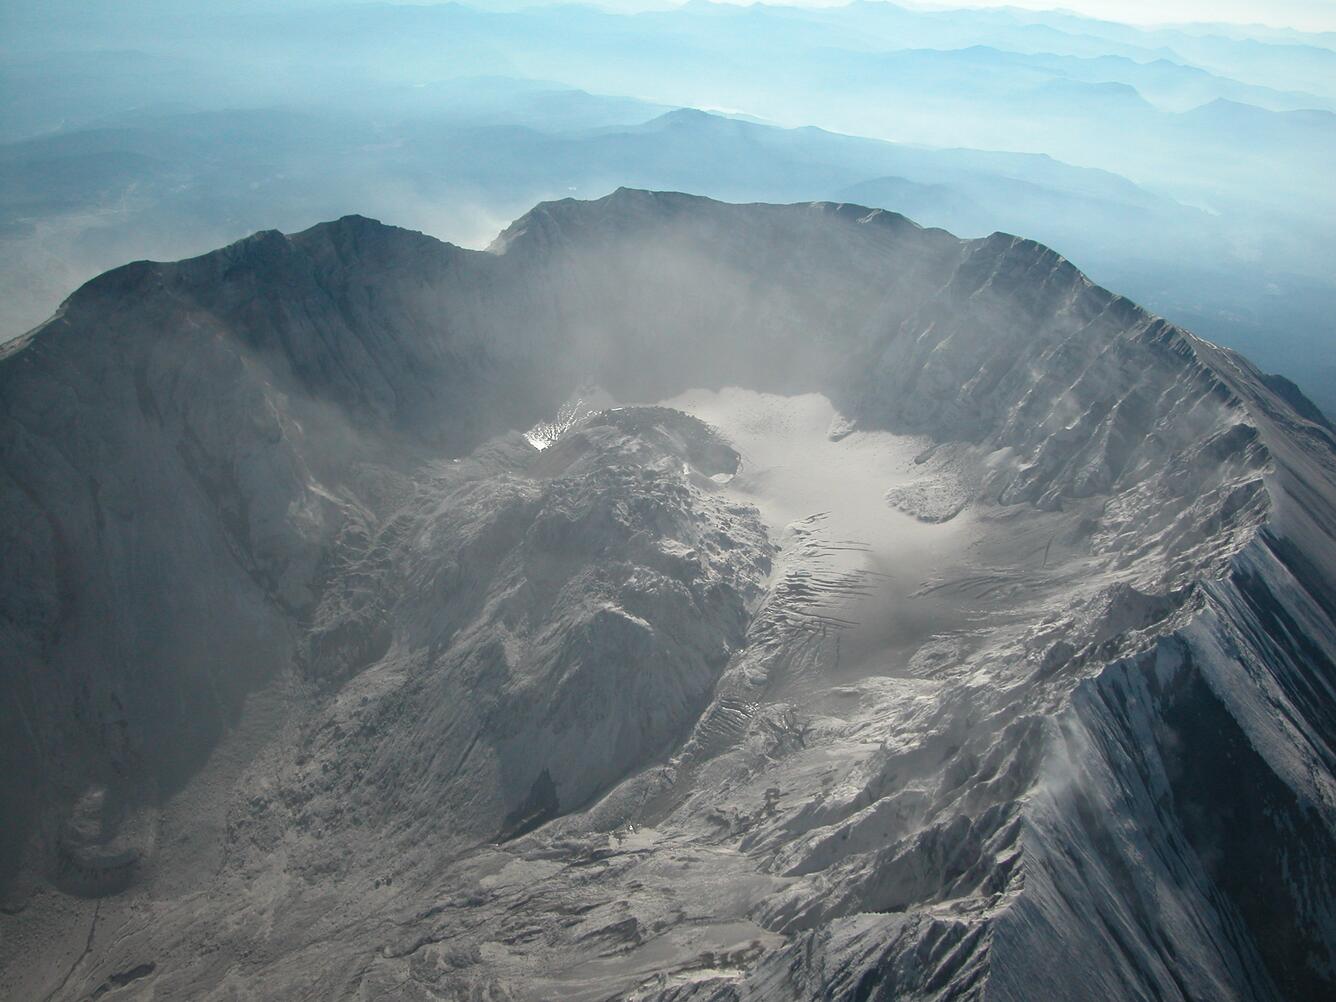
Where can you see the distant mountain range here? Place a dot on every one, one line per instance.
(460, 158)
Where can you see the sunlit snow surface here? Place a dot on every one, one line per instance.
(584, 402)
(821, 486)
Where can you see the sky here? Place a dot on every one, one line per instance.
(1305, 15)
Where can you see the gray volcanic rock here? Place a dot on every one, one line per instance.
(557, 618)
(327, 682)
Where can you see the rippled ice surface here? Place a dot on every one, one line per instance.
(822, 492)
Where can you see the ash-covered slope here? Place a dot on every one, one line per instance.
(983, 649)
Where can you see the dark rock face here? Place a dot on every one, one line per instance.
(295, 623)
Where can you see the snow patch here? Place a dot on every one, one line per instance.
(585, 402)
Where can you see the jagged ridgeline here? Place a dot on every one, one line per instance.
(925, 622)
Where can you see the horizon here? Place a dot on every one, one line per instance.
(1293, 15)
